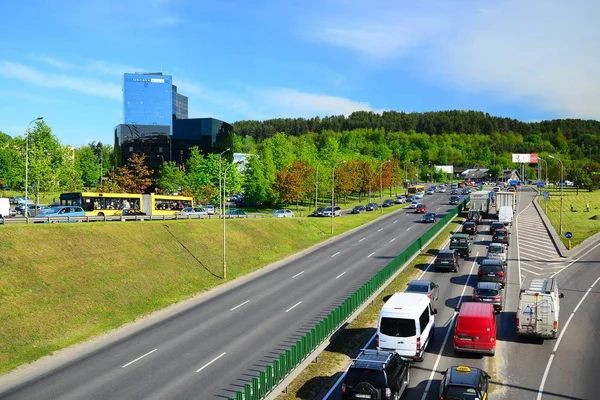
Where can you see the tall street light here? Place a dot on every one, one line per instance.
(545, 181)
(333, 191)
(562, 182)
(317, 189)
(224, 242)
(381, 182)
(26, 208)
(220, 187)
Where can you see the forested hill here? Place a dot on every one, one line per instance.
(433, 123)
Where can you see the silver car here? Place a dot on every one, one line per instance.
(489, 292)
(497, 251)
(284, 213)
(424, 287)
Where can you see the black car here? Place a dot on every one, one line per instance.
(501, 236)
(462, 382)
(466, 191)
(492, 270)
(429, 217)
(318, 212)
(496, 225)
(372, 206)
(376, 375)
(358, 209)
(454, 200)
(388, 203)
(446, 259)
(454, 191)
(470, 228)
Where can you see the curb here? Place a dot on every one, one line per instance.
(558, 244)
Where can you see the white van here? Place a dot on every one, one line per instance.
(505, 215)
(4, 207)
(406, 325)
(538, 310)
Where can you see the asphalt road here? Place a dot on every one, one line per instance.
(212, 349)
(565, 368)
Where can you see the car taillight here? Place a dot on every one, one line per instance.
(517, 322)
(343, 388)
(481, 273)
(435, 260)
(388, 393)
(497, 297)
(418, 344)
(500, 273)
(555, 325)
(430, 296)
(475, 297)
(454, 259)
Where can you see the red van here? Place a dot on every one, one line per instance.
(475, 329)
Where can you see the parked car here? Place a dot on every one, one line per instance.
(193, 211)
(235, 211)
(489, 292)
(497, 251)
(285, 213)
(337, 211)
(400, 200)
(491, 270)
(496, 225)
(388, 203)
(318, 212)
(446, 259)
(462, 382)
(376, 374)
(501, 236)
(429, 218)
(358, 209)
(470, 228)
(372, 206)
(424, 287)
(421, 208)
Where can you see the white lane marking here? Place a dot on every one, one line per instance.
(298, 274)
(370, 254)
(531, 272)
(294, 306)
(211, 361)
(361, 240)
(433, 260)
(380, 230)
(335, 254)
(562, 333)
(340, 275)
(239, 305)
(392, 240)
(439, 357)
(523, 209)
(394, 221)
(544, 268)
(438, 208)
(574, 261)
(518, 252)
(139, 358)
(407, 229)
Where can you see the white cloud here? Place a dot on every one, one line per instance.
(544, 53)
(89, 86)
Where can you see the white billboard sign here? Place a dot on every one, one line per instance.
(448, 169)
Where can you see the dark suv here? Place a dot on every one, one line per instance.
(470, 228)
(496, 226)
(491, 270)
(376, 375)
(446, 259)
(501, 236)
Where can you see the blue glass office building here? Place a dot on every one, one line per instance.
(148, 99)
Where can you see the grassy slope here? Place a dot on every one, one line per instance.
(61, 284)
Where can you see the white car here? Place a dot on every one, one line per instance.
(210, 209)
(414, 204)
(284, 213)
(337, 211)
(400, 200)
(442, 189)
(193, 211)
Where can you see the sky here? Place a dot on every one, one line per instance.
(236, 60)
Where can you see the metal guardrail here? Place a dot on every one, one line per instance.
(41, 219)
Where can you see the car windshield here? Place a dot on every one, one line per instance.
(457, 240)
(500, 232)
(460, 392)
(487, 292)
(469, 224)
(358, 375)
(398, 327)
(446, 255)
(490, 268)
(51, 210)
(417, 288)
(495, 250)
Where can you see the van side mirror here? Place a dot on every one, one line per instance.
(562, 295)
(434, 311)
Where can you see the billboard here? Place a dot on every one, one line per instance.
(448, 169)
(525, 158)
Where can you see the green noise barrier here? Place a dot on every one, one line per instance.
(273, 374)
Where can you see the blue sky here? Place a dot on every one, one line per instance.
(530, 60)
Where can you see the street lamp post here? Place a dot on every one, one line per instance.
(545, 181)
(317, 189)
(220, 187)
(333, 191)
(381, 182)
(26, 208)
(562, 182)
(224, 242)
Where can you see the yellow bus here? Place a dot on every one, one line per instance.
(101, 204)
(415, 188)
(158, 204)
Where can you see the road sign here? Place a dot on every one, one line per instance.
(546, 196)
(568, 235)
(540, 185)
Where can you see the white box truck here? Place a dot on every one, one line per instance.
(505, 215)
(480, 202)
(538, 310)
(4, 207)
(504, 199)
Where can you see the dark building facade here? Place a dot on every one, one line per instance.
(180, 105)
(209, 134)
(152, 140)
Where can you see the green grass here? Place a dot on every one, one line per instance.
(320, 376)
(582, 224)
(64, 283)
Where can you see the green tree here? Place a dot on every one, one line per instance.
(134, 177)
(196, 176)
(170, 178)
(87, 162)
(257, 188)
(581, 178)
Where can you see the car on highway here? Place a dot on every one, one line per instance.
(193, 211)
(337, 211)
(497, 251)
(285, 213)
(211, 209)
(470, 228)
(491, 270)
(462, 243)
(388, 203)
(235, 212)
(420, 208)
(376, 374)
(410, 198)
(476, 328)
(454, 200)
(442, 189)
(496, 225)
(414, 204)
(489, 292)
(372, 207)
(424, 287)
(462, 382)
(419, 195)
(358, 209)
(429, 218)
(318, 212)
(447, 260)
(466, 191)
(501, 236)
(63, 211)
(400, 199)
(431, 190)
(474, 216)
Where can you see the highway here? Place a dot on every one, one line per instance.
(565, 368)
(213, 348)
